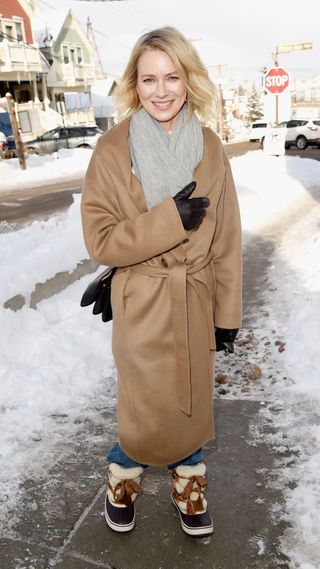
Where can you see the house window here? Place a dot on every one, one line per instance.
(19, 31)
(79, 55)
(65, 52)
(73, 55)
(9, 32)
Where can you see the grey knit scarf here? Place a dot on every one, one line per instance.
(164, 162)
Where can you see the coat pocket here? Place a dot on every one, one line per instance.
(119, 293)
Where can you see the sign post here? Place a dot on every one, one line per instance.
(16, 131)
(276, 81)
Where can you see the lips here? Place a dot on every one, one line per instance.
(162, 105)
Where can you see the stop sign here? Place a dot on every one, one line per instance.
(276, 80)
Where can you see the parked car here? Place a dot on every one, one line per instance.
(257, 130)
(302, 133)
(60, 137)
(3, 140)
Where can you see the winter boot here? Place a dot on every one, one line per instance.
(123, 485)
(188, 488)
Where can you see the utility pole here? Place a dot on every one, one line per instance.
(16, 131)
(222, 112)
(100, 74)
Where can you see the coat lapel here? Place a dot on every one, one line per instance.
(131, 182)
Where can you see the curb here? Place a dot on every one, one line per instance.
(52, 286)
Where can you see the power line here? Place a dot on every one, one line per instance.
(46, 4)
(125, 11)
(94, 29)
(150, 10)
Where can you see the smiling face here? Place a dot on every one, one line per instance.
(161, 91)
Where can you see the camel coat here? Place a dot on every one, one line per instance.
(172, 287)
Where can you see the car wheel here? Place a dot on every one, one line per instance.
(83, 146)
(262, 142)
(30, 150)
(301, 142)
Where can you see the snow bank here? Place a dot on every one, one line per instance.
(301, 251)
(37, 252)
(48, 368)
(43, 170)
(269, 185)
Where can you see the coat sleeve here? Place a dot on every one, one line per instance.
(227, 256)
(110, 237)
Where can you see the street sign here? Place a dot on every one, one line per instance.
(286, 47)
(276, 80)
(274, 141)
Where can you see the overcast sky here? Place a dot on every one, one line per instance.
(234, 33)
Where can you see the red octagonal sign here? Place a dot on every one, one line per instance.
(276, 80)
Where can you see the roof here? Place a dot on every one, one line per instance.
(47, 25)
(103, 86)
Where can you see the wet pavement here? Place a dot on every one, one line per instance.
(62, 525)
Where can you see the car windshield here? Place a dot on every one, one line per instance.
(49, 135)
(93, 131)
(259, 125)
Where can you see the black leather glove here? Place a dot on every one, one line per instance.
(192, 210)
(225, 338)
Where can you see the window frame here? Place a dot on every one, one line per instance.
(78, 49)
(20, 21)
(66, 47)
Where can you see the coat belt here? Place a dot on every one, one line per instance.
(178, 277)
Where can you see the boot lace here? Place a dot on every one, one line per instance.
(123, 491)
(195, 484)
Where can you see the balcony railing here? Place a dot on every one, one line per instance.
(306, 97)
(19, 57)
(78, 73)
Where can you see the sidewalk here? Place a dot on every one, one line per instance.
(64, 528)
(61, 518)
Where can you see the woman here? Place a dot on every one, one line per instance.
(159, 203)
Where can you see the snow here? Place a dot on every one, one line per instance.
(47, 169)
(267, 185)
(49, 369)
(45, 247)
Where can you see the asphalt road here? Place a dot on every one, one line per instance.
(38, 202)
(42, 201)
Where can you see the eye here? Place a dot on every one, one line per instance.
(173, 78)
(148, 81)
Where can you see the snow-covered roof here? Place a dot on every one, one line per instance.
(103, 86)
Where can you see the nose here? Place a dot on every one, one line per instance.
(161, 89)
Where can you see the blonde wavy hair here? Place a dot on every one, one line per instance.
(201, 93)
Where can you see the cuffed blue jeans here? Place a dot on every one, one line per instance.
(118, 455)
